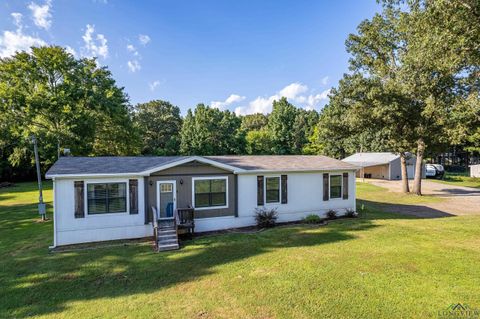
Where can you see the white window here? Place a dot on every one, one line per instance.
(335, 186)
(272, 189)
(210, 192)
(166, 187)
(106, 198)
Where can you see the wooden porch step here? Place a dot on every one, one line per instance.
(168, 247)
(167, 239)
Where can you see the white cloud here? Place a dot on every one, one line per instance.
(41, 15)
(144, 39)
(295, 92)
(132, 49)
(16, 41)
(133, 65)
(292, 91)
(324, 80)
(17, 19)
(233, 98)
(95, 46)
(315, 100)
(71, 50)
(153, 85)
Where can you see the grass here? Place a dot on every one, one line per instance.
(383, 266)
(377, 194)
(459, 179)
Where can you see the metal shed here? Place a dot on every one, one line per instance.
(382, 165)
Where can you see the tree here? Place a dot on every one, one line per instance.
(253, 122)
(378, 60)
(64, 101)
(304, 125)
(209, 131)
(258, 142)
(442, 68)
(281, 127)
(159, 124)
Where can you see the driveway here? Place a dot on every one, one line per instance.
(457, 200)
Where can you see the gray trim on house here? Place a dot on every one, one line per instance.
(184, 187)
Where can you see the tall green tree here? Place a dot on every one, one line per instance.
(258, 142)
(281, 127)
(442, 67)
(253, 122)
(159, 124)
(304, 125)
(67, 102)
(209, 131)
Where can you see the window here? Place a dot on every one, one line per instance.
(211, 192)
(166, 188)
(272, 189)
(107, 198)
(335, 186)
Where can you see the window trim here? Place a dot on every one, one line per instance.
(194, 179)
(265, 203)
(330, 186)
(127, 197)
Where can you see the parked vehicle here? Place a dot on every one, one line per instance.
(434, 171)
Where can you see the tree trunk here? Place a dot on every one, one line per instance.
(403, 165)
(417, 182)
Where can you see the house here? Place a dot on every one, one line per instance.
(475, 170)
(382, 165)
(110, 198)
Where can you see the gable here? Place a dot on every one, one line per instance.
(191, 168)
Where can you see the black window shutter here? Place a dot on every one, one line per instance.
(284, 189)
(325, 187)
(79, 199)
(133, 193)
(259, 190)
(345, 185)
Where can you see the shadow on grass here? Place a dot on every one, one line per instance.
(41, 283)
(402, 210)
(447, 192)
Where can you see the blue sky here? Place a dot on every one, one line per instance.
(236, 55)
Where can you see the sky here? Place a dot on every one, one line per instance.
(235, 55)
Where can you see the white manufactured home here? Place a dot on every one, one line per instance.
(110, 198)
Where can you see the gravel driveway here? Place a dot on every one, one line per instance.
(458, 200)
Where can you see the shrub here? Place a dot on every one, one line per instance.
(266, 217)
(312, 219)
(331, 214)
(350, 213)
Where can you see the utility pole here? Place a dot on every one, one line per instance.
(41, 204)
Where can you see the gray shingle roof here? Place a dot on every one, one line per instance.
(108, 164)
(137, 165)
(282, 162)
(370, 159)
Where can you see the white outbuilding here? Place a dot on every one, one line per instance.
(382, 165)
(475, 170)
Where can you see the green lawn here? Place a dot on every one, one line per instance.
(382, 266)
(371, 193)
(459, 179)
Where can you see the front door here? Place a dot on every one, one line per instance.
(166, 198)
